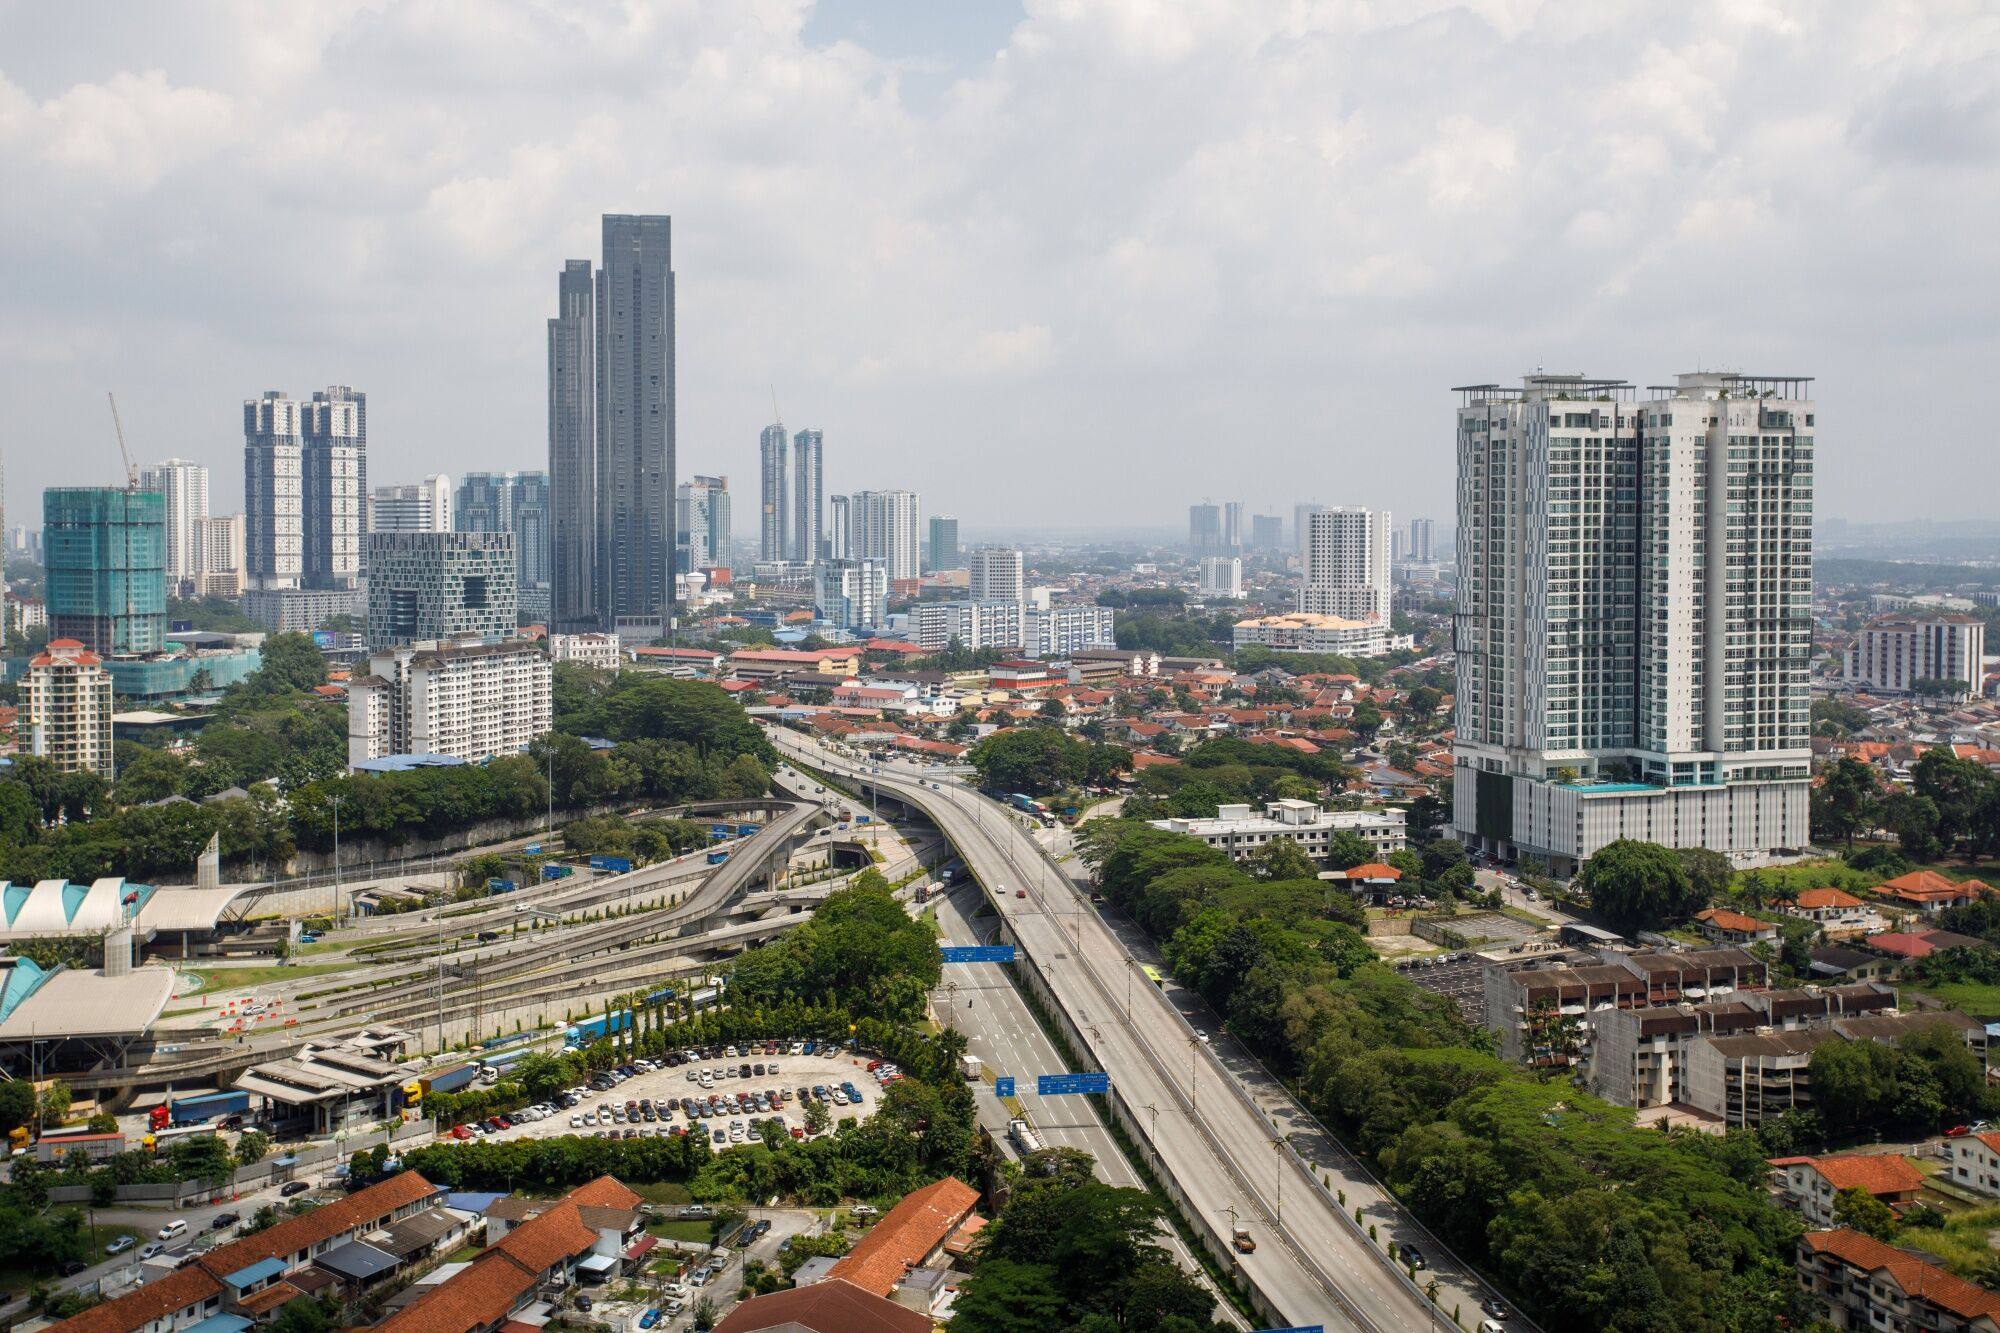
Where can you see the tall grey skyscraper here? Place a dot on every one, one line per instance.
(516, 502)
(1633, 633)
(1267, 532)
(1233, 532)
(333, 434)
(1346, 564)
(1421, 546)
(423, 506)
(774, 492)
(807, 541)
(273, 492)
(884, 528)
(703, 520)
(942, 551)
(185, 486)
(839, 528)
(1205, 529)
(1300, 513)
(635, 419)
(572, 451)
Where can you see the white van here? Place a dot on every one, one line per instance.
(177, 1227)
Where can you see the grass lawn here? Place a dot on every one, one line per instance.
(1962, 1242)
(235, 978)
(696, 1233)
(1979, 999)
(464, 1254)
(663, 1192)
(16, 1279)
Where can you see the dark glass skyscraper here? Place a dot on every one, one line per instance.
(572, 451)
(635, 419)
(107, 567)
(806, 543)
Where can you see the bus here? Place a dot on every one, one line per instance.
(1154, 975)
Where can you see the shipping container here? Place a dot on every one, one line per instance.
(450, 1080)
(57, 1146)
(194, 1110)
(594, 1029)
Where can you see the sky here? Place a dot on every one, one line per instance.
(1053, 264)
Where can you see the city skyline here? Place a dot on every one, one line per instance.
(427, 288)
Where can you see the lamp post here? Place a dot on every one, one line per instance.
(338, 908)
(1194, 1047)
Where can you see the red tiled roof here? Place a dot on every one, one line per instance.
(474, 1298)
(323, 1223)
(1724, 919)
(1915, 1276)
(1878, 1173)
(1901, 945)
(912, 1229)
(156, 1300)
(1372, 870)
(1820, 898)
(547, 1239)
(831, 1306)
(605, 1192)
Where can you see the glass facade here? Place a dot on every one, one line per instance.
(107, 568)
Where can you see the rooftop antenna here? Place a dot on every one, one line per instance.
(777, 417)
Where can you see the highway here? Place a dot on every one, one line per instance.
(1224, 1155)
(979, 999)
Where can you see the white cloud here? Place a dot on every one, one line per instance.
(1259, 236)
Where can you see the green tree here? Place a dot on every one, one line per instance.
(1346, 849)
(251, 1146)
(1280, 858)
(1844, 802)
(1708, 873)
(1636, 885)
(1857, 1208)
(17, 1104)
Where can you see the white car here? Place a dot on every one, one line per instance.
(575, 1121)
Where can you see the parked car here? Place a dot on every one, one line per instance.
(292, 1187)
(121, 1244)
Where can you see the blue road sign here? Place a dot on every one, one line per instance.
(977, 953)
(1003, 1086)
(1059, 1085)
(616, 864)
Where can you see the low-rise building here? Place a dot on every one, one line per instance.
(1930, 892)
(935, 626)
(1747, 1079)
(468, 701)
(1239, 832)
(1837, 912)
(1527, 1006)
(1891, 656)
(1859, 1282)
(1309, 632)
(1813, 1184)
(1723, 926)
(1065, 629)
(600, 651)
(1975, 1161)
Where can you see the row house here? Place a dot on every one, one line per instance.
(1812, 1185)
(1744, 1080)
(1975, 1162)
(1521, 1002)
(1858, 1282)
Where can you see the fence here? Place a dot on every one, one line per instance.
(255, 1176)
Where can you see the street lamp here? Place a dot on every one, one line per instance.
(338, 913)
(1279, 1146)
(1194, 1048)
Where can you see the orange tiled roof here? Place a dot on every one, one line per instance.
(831, 1306)
(1878, 1173)
(328, 1220)
(547, 1239)
(1913, 1275)
(156, 1300)
(1927, 886)
(1372, 870)
(912, 1229)
(1819, 898)
(605, 1192)
(476, 1297)
(1724, 919)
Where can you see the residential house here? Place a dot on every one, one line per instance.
(829, 1305)
(1859, 1282)
(1930, 892)
(1975, 1162)
(912, 1234)
(1722, 926)
(1813, 1184)
(1837, 912)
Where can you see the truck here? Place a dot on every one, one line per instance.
(208, 1106)
(617, 865)
(496, 886)
(451, 1079)
(57, 1146)
(1024, 1136)
(553, 871)
(969, 1067)
(717, 857)
(1240, 1237)
(595, 1029)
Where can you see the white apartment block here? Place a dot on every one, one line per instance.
(998, 574)
(974, 625)
(218, 556)
(1221, 576)
(422, 507)
(597, 651)
(1059, 630)
(470, 701)
(1975, 1162)
(1301, 632)
(1238, 832)
(1609, 683)
(185, 487)
(1346, 554)
(66, 708)
(851, 593)
(1892, 655)
(883, 526)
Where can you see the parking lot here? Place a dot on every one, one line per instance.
(720, 1082)
(1461, 976)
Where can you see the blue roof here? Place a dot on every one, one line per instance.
(255, 1273)
(472, 1201)
(404, 763)
(24, 978)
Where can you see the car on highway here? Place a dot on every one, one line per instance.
(1494, 1308)
(1020, 893)
(1414, 1257)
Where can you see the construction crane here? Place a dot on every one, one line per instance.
(131, 473)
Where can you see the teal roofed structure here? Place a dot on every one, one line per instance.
(57, 907)
(24, 978)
